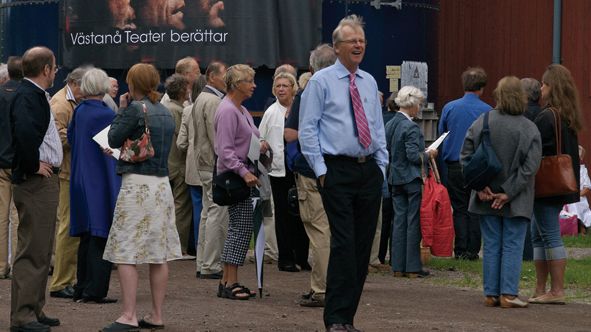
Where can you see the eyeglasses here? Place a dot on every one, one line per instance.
(55, 68)
(249, 81)
(354, 41)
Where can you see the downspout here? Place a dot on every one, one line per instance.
(556, 31)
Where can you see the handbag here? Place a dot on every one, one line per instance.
(141, 149)
(556, 176)
(228, 188)
(482, 166)
(569, 223)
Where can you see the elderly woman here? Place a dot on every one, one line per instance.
(505, 206)
(94, 186)
(234, 128)
(407, 161)
(177, 90)
(559, 93)
(143, 230)
(292, 240)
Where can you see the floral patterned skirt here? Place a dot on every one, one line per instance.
(143, 229)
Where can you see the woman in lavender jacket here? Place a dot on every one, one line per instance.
(234, 128)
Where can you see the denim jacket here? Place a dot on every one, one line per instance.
(129, 123)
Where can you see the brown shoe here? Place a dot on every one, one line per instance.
(548, 298)
(491, 301)
(398, 274)
(512, 302)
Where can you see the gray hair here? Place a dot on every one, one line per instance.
(304, 78)
(321, 57)
(95, 82)
(75, 76)
(285, 68)
(353, 21)
(237, 73)
(176, 86)
(532, 87)
(409, 96)
(290, 78)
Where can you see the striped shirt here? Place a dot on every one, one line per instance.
(50, 150)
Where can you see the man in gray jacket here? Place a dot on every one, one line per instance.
(196, 136)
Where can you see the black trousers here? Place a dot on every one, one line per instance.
(387, 218)
(292, 240)
(351, 196)
(93, 272)
(466, 224)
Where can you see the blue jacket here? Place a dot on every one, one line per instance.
(129, 123)
(406, 145)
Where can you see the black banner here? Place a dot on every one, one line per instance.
(115, 34)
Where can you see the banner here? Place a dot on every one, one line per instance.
(115, 34)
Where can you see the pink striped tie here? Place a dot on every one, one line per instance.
(360, 119)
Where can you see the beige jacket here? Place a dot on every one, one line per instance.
(177, 157)
(197, 135)
(63, 110)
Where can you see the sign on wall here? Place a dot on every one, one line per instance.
(118, 33)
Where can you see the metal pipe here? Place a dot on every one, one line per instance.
(556, 31)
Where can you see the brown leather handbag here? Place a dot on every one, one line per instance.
(556, 176)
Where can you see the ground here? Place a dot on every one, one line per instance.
(387, 304)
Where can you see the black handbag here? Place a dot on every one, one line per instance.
(293, 204)
(228, 187)
(482, 166)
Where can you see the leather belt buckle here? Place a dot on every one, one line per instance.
(55, 170)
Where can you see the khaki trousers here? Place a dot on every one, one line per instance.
(183, 207)
(375, 247)
(316, 224)
(8, 223)
(36, 200)
(66, 247)
(213, 228)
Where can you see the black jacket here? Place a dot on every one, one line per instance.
(30, 116)
(7, 92)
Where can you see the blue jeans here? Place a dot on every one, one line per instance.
(406, 228)
(196, 198)
(545, 232)
(502, 253)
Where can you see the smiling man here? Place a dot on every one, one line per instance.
(342, 137)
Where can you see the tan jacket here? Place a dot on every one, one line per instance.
(197, 135)
(63, 110)
(177, 157)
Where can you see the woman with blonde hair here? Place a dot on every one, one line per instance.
(143, 230)
(560, 97)
(505, 205)
(292, 240)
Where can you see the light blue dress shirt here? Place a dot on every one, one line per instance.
(326, 118)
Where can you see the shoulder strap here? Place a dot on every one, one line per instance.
(485, 129)
(144, 109)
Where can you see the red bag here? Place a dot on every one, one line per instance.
(569, 226)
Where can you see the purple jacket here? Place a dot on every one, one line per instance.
(233, 130)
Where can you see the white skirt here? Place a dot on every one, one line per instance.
(143, 229)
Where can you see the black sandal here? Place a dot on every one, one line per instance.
(246, 290)
(233, 292)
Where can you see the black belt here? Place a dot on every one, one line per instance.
(55, 170)
(358, 160)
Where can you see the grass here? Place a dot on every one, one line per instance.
(577, 241)
(468, 274)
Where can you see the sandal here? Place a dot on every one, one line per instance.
(234, 292)
(246, 290)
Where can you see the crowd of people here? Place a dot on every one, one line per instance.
(327, 138)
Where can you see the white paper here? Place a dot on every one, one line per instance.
(435, 145)
(254, 151)
(102, 139)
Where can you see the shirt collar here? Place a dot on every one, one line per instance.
(70, 94)
(216, 91)
(343, 72)
(39, 86)
(406, 116)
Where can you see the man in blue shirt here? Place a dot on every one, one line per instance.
(342, 137)
(457, 116)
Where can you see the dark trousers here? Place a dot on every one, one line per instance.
(351, 196)
(92, 272)
(406, 228)
(466, 224)
(36, 200)
(292, 240)
(387, 218)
